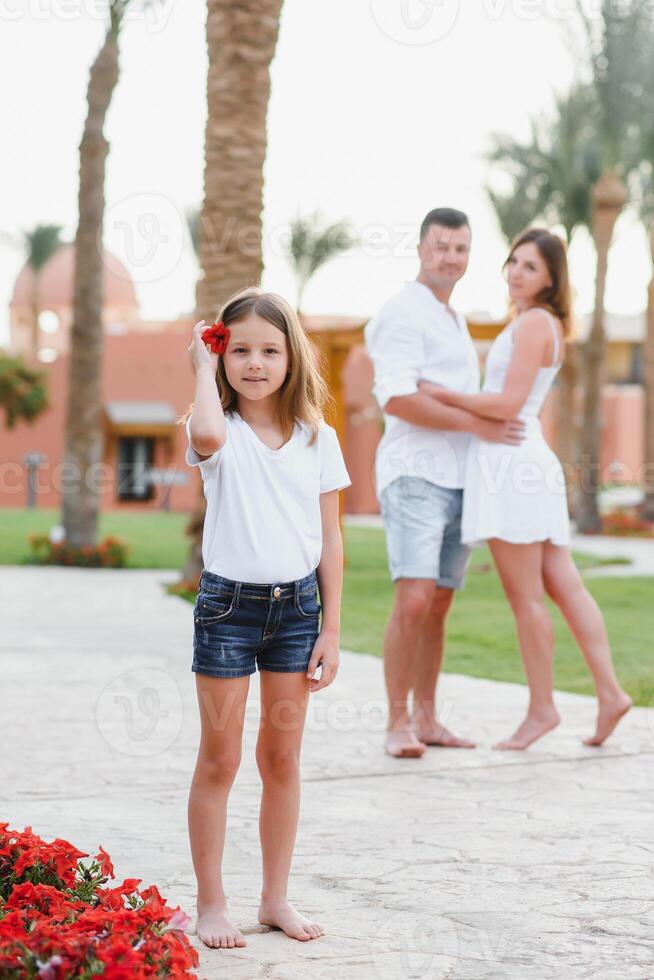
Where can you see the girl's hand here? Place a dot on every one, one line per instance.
(201, 354)
(326, 655)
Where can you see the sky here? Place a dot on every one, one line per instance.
(380, 110)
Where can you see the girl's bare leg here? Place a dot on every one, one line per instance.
(222, 704)
(566, 587)
(284, 698)
(520, 569)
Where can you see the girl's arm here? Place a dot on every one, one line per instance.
(530, 344)
(326, 650)
(208, 428)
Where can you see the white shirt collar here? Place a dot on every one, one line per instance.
(424, 290)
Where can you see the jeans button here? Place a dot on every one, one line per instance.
(277, 592)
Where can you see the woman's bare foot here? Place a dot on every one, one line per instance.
(401, 743)
(285, 917)
(215, 930)
(609, 714)
(439, 735)
(529, 731)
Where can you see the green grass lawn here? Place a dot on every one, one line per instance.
(156, 538)
(481, 639)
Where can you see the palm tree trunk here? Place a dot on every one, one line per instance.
(648, 460)
(609, 197)
(83, 448)
(36, 303)
(241, 40)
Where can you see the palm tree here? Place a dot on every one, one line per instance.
(241, 41)
(40, 244)
(312, 244)
(83, 443)
(620, 46)
(550, 176)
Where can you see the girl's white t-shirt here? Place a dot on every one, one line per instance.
(263, 521)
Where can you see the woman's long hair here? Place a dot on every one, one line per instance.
(557, 298)
(303, 394)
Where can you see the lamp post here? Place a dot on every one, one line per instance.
(32, 461)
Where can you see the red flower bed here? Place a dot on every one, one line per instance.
(111, 552)
(627, 523)
(58, 920)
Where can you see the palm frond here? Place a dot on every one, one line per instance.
(551, 173)
(40, 243)
(312, 244)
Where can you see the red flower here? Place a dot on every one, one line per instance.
(44, 925)
(105, 863)
(217, 335)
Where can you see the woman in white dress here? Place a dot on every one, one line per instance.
(515, 498)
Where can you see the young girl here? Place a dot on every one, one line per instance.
(271, 469)
(514, 496)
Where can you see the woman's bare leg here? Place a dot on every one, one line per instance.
(565, 586)
(520, 569)
(284, 698)
(222, 710)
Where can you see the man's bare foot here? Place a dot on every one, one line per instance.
(401, 743)
(215, 930)
(285, 917)
(439, 735)
(610, 713)
(529, 731)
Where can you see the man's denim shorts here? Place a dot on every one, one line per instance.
(423, 531)
(240, 625)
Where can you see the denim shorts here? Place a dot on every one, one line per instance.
(423, 531)
(240, 626)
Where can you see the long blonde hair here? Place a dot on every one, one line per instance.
(303, 395)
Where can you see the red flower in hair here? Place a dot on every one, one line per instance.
(218, 336)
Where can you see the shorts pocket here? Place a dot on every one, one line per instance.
(307, 605)
(211, 607)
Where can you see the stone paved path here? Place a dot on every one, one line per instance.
(461, 865)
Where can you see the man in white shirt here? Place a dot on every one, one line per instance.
(419, 470)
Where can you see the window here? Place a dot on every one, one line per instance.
(48, 321)
(135, 457)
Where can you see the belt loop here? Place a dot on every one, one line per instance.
(296, 591)
(237, 592)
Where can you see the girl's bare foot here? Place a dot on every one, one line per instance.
(285, 917)
(529, 731)
(439, 735)
(610, 713)
(215, 930)
(401, 743)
